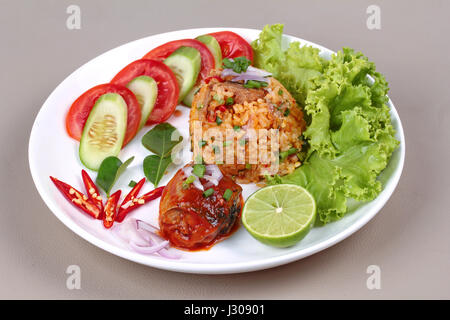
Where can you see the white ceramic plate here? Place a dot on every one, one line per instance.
(53, 152)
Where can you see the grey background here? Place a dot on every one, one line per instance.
(409, 239)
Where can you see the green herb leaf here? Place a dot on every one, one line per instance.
(110, 170)
(287, 112)
(229, 101)
(227, 63)
(236, 128)
(218, 121)
(188, 181)
(159, 139)
(253, 84)
(239, 64)
(208, 192)
(154, 168)
(132, 184)
(199, 170)
(202, 143)
(227, 194)
(287, 153)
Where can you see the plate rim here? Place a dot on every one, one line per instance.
(211, 268)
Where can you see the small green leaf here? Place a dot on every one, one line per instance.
(159, 139)
(253, 84)
(199, 170)
(229, 101)
(110, 170)
(154, 168)
(208, 192)
(227, 194)
(132, 184)
(239, 64)
(188, 182)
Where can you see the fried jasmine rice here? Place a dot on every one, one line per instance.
(248, 132)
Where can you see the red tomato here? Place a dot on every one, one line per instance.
(165, 50)
(80, 109)
(233, 45)
(168, 89)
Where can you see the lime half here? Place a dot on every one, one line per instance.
(279, 215)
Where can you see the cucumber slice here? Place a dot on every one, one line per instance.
(190, 96)
(185, 63)
(146, 90)
(104, 130)
(213, 46)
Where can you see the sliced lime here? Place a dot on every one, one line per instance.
(279, 215)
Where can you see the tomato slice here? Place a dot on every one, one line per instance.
(233, 45)
(80, 109)
(165, 50)
(168, 89)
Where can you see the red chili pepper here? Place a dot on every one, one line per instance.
(92, 190)
(222, 108)
(109, 212)
(208, 80)
(137, 202)
(77, 198)
(130, 197)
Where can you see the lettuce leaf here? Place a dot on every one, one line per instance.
(350, 138)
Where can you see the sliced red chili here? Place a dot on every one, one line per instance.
(77, 198)
(222, 108)
(208, 80)
(130, 197)
(92, 190)
(130, 205)
(109, 212)
(152, 195)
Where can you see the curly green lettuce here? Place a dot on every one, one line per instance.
(350, 138)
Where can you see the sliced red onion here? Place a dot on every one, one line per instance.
(163, 252)
(187, 171)
(246, 78)
(149, 249)
(169, 255)
(252, 73)
(141, 237)
(127, 231)
(214, 171)
(140, 224)
(198, 184)
(211, 179)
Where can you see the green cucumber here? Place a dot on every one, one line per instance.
(211, 43)
(185, 63)
(214, 47)
(190, 96)
(146, 91)
(104, 131)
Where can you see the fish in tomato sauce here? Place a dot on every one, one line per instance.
(192, 218)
